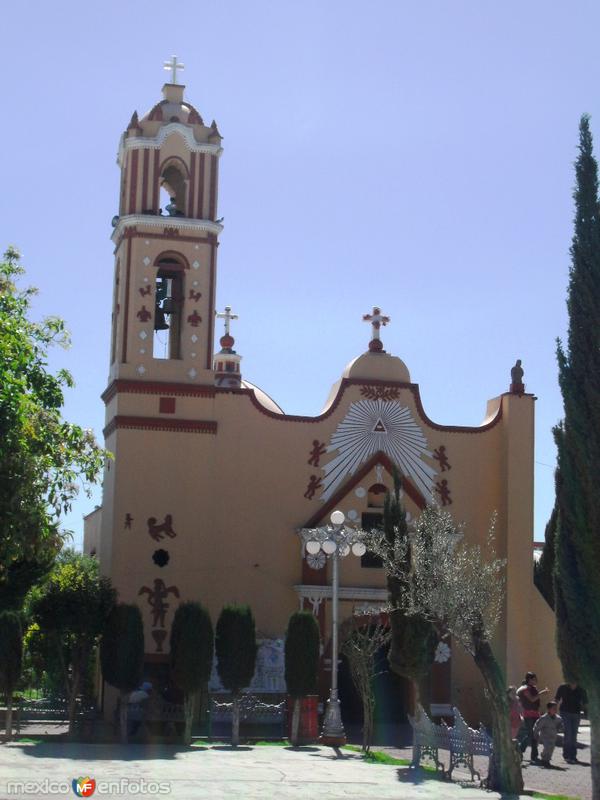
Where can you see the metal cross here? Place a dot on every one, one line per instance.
(227, 316)
(377, 319)
(173, 66)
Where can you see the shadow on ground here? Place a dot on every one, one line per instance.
(104, 752)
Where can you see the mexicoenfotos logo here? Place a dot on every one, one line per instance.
(84, 787)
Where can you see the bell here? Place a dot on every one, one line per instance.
(160, 323)
(168, 305)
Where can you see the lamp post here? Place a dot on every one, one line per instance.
(336, 541)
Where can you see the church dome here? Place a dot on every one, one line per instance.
(378, 366)
(173, 108)
(263, 398)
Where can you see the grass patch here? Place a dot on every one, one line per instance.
(261, 743)
(544, 796)
(274, 743)
(28, 740)
(378, 757)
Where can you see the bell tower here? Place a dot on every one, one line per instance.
(166, 239)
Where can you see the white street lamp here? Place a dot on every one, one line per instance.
(336, 540)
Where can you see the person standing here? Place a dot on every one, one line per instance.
(572, 700)
(529, 697)
(545, 730)
(515, 715)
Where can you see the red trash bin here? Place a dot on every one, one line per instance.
(308, 731)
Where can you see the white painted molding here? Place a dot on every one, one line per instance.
(156, 142)
(345, 592)
(159, 221)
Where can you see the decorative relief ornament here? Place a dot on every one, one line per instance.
(371, 426)
(442, 653)
(443, 491)
(158, 530)
(317, 560)
(380, 392)
(441, 457)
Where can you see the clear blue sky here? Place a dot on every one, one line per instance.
(413, 154)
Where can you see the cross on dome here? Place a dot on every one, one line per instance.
(173, 66)
(377, 319)
(227, 316)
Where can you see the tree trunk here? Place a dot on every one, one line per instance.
(9, 713)
(416, 695)
(189, 706)
(368, 710)
(235, 721)
(123, 709)
(295, 722)
(594, 716)
(72, 703)
(505, 769)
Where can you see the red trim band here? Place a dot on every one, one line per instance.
(161, 424)
(124, 386)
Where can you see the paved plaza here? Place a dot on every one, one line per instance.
(257, 772)
(214, 772)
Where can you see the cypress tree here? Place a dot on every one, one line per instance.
(577, 589)
(122, 655)
(301, 662)
(192, 648)
(235, 646)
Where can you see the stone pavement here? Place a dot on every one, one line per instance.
(215, 772)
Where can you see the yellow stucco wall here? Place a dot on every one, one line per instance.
(235, 489)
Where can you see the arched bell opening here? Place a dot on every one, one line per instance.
(173, 189)
(168, 307)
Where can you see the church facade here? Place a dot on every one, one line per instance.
(211, 480)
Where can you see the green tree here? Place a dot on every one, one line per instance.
(122, 654)
(235, 645)
(301, 662)
(577, 589)
(414, 638)
(460, 588)
(42, 457)
(71, 610)
(192, 649)
(41, 668)
(11, 658)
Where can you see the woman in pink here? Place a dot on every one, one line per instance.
(514, 710)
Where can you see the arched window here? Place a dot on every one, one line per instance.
(173, 189)
(376, 495)
(371, 520)
(168, 305)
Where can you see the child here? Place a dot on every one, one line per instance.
(545, 730)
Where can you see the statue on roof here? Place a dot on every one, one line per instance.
(516, 378)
